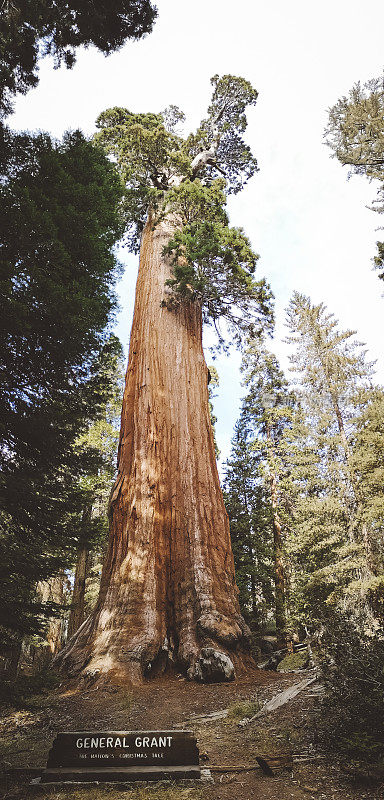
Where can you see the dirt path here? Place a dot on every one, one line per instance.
(26, 736)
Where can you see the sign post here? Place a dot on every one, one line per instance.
(112, 756)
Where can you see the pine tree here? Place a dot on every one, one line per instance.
(267, 409)
(101, 437)
(355, 133)
(330, 536)
(250, 523)
(368, 464)
(168, 589)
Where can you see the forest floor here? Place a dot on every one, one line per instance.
(27, 732)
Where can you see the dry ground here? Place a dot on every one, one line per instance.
(26, 735)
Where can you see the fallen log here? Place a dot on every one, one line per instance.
(279, 700)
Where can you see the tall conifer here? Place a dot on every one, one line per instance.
(332, 543)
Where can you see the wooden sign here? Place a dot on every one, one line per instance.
(122, 756)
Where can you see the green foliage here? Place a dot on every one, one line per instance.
(331, 362)
(243, 708)
(179, 179)
(250, 524)
(102, 438)
(355, 129)
(28, 30)
(355, 133)
(367, 461)
(324, 451)
(330, 544)
(213, 384)
(268, 410)
(213, 264)
(60, 222)
(352, 658)
(146, 154)
(224, 125)
(293, 661)
(268, 404)
(103, 434)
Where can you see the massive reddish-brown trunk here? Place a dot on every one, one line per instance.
(168, 585)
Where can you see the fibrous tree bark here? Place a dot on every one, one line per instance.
(168, 586)
(168, 591)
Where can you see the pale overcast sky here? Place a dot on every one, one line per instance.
(309, 224)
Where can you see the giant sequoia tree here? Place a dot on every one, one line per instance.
(168, 590)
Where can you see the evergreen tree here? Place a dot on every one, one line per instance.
(101, 437)
(368, 464)
(267, 409)
(355, 133)
(332, 546)
(178, 180)
(59, 224)
(29, 30)
(168, 585)
(249, 512)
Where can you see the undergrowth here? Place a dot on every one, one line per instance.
(352, 661)
(156, 792)
(26, 691)
(241, 709)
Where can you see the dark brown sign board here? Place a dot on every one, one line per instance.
(111, 756)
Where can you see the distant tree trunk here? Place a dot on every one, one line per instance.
(279, 565)
(53, 590)
(278, 553)
(168, 586)
(76, 614)
(253, 582)
(9, 660)
(38, 657)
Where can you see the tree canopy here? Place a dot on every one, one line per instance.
(187, 179)
(57, 27)
(355, 133)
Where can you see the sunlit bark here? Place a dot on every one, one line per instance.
(168, 585)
